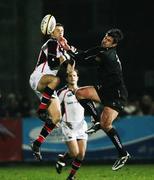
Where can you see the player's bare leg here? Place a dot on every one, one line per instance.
(55, 114)
(46, 85)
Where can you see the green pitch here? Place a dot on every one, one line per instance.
(91, 172)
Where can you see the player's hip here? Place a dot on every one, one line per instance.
(115, 97)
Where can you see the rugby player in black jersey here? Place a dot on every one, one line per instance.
(110, 89)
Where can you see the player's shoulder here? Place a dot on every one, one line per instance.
(62, 90)
(109, 52)
(51, 40)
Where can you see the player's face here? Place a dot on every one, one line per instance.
(58, 32)
(72, 78)
(108, 42)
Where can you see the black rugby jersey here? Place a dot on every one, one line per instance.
(109, 69)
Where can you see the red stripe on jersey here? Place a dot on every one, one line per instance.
(41, 59)
(43, 66)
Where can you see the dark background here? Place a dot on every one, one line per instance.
(85, 23)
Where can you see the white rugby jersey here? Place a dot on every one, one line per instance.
(50, 53)
(72, 111)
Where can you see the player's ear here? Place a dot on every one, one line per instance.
(114, 44)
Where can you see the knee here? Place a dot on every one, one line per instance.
(106, 126)
(56, 118)
(81, 155)
(74, 154)
(106, 123)
(55, 121)
(107, 117)
(55, 115)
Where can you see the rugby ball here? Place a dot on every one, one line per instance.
(48, 24)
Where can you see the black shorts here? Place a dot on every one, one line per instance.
(115, 97)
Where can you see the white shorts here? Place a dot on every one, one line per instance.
(37, 74)
(76, 132)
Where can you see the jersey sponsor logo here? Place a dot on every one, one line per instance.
(69, 94)
(72, 102)
(69, 102)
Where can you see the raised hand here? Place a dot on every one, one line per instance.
(64, 44)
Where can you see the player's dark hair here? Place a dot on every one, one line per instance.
(59, 24)
(116, 34)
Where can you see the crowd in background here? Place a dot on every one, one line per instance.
(140, 106)
(14, 105)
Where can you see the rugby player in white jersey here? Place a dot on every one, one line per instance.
(73, 126)
(44, 80)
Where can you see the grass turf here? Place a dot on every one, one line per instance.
(91, 172)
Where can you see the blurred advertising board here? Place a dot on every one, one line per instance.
(136, 132)
(10, 140)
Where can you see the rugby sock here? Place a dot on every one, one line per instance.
(46, 96)
(46, 130)
(75, 166)
(113, 135)
(89, 105)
